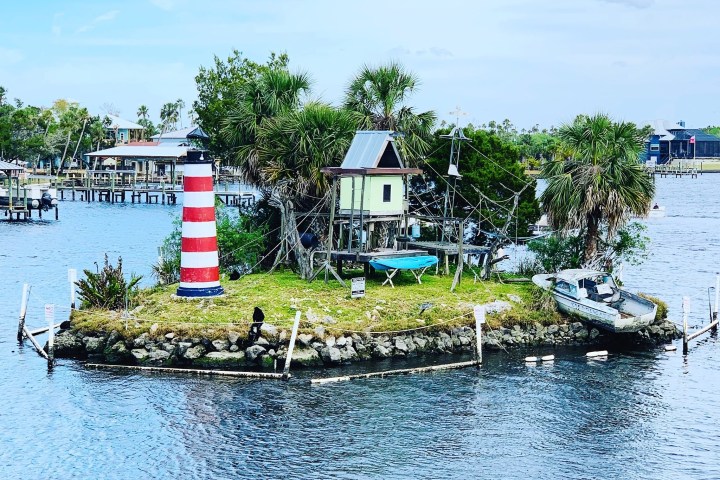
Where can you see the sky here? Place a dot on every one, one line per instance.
(530, 61)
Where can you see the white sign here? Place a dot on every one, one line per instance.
(479, 312)
(357, 287)
(50, 312)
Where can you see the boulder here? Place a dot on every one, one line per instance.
(262, 342)
(253, 352)
(158, 357)
(319, 332)
(401, 345)
(116, 353)
(182, 347)
(269, 330)
(234, 348)
(195, 352)
(330, 341)
(305, 339)
(94, 344)
(221, 344)
(233, 337)
(331, 355)
(305, 357)
(221, 360)
(140, 354)
(348, 354)
(140, 341)
(68, 345)
(381, 352)
(169, 336)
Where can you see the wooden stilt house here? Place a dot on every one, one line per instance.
(373, 189)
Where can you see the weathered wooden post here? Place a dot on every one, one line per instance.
(479, 312)
(460, 261)
(50, 317)
(291, 346)
(72, 278)
(686, 307)
(23, 311)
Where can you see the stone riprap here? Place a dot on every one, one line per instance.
(318, 347)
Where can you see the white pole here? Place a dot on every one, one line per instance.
(72, 278)
(23, 311)
(479, 312)
(291, 346)
(686, 307)
(717, 295)
(50, 318)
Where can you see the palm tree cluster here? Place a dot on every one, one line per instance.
(596, 182)
(280, 141)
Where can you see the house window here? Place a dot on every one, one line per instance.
(387, 189)
(654, 148)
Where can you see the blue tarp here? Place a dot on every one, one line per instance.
(404, 263)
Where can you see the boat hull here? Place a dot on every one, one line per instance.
(631, 314)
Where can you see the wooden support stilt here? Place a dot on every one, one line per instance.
(191, 371)
(291, 346)
(23, 311)
(459, 269)
(40, 331)
(386, 373)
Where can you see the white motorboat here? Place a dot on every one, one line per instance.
(594, 297)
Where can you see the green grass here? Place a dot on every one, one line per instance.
(281, 293)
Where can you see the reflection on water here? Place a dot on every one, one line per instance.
(633, 415)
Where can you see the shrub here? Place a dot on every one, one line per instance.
(662, 310)
(107, 288)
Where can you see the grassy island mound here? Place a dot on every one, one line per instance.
(409, 305)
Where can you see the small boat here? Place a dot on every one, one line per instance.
(657, 211)
(594, 297)
(34, 196)
(541, 227)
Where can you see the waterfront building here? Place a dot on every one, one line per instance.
(193, 136)
(123, 131)
(672, 140)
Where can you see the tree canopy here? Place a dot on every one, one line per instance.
(598, 182)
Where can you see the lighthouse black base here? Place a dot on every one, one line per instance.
(200, 292)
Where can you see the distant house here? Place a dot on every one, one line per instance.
(674, 141)
(123, 131)
(187, 137)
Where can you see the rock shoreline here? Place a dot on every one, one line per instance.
(318, 348)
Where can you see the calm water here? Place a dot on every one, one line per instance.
(644, 414)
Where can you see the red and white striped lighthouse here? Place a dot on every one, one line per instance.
(199, 271)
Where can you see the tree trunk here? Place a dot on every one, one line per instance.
(292, 236)
(591, 241)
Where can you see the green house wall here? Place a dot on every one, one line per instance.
(374, 187)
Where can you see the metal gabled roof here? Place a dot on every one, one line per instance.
(700, 135)
(141, 151)
(117, 122)
(10, 167)
(190, 132)
(372, 149)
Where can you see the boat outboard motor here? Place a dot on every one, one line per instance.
(46, 201)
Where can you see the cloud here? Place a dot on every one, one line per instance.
(55, 28)
(9, 56)
(105, 17)
(633, 3)
(163, 4)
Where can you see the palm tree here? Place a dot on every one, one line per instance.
(596, 182)
(179, 104)
(292, 148)
(169, 116)
(142, 112)
(272, 93)
(379, 95)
